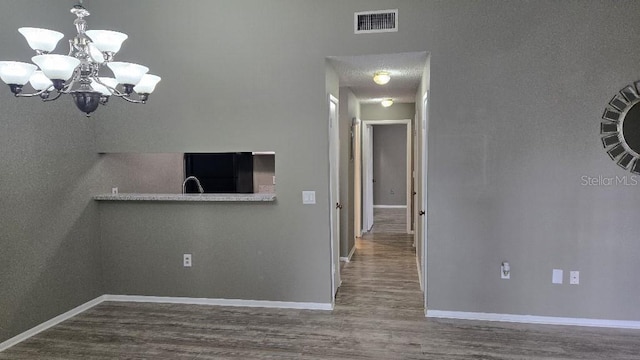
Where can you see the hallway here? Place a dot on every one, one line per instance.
(382, 278)
(378, 315)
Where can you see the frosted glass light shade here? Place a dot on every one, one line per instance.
(147, 84)
(386, 102)
(95, 53)
(103, 89)
(41, 39)
(127, 73)
(381, 77)
(107, 40)
(15, 72)
(39, 81)
(56, 67)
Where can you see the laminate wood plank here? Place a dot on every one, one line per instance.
(378, 315)
(389, 221)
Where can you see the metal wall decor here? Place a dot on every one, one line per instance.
(620, 130)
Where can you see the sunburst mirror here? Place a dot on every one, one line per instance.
(620, 129)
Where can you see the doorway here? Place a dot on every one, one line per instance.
(368, 174)
(351, 79)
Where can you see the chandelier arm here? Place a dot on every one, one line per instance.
(54, 98)
(115, 92)
(96, 78)
(67, 87)
(33, 94)
(127, 98)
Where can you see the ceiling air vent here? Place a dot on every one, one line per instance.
(367, 22)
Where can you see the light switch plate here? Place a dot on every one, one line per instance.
(308, 197)
(557, 276)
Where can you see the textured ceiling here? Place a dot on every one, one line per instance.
(356, 72)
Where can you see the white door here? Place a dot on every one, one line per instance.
(334, 193)
(367, 186)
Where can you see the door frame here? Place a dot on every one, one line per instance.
(408, 175)
(366, 178)
(424, 160)
(357, 177)
(334, 195)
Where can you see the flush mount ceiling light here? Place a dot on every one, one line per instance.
(386, 102)
(381, 77)
(77, 73)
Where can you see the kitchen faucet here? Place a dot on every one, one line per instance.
(184, 184)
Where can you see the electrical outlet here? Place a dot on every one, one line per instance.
(186, 260)
(505, 271)
(574, 277)
(114, 190)
(274, 180)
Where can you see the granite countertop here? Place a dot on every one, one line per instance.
(187, 197)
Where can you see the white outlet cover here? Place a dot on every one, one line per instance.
(502, 274)
(114, 190)
(574, 277)
(186, 260)
(556, 278)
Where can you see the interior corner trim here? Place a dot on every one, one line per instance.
(50, 323)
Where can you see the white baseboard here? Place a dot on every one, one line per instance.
(50, 323)
(389, 206)
(157, 299)
(531, 319)
(220, 302)
(348, 258)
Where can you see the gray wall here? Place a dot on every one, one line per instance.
(514, 121)
(397, 111)
(49, 238)
(390, 164)
(517, 90)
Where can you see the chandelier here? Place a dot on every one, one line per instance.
(77, 73)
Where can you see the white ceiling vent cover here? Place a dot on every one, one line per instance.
(367, 22)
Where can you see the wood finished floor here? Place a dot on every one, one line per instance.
(389, 221)
(378, 315)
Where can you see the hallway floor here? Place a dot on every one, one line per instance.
(378, 315)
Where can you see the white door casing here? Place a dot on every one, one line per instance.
(367, 177)
(367, 172)
(424, 165)
(357, 177)
(334, 194)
